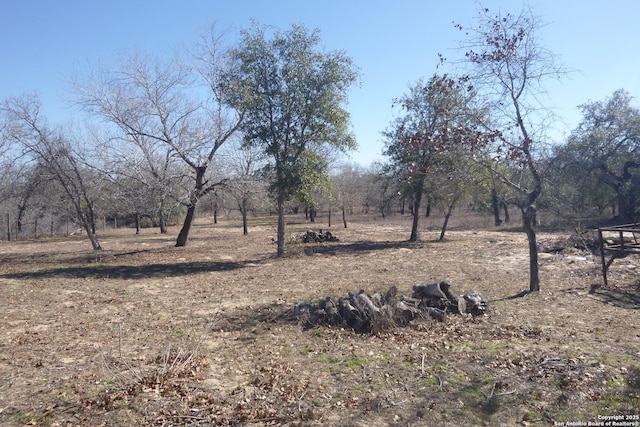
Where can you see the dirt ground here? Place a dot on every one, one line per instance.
(144, 333)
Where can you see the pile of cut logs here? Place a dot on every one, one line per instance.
(313, 237)
(373, 313)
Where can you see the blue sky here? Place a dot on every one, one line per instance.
(394, 43)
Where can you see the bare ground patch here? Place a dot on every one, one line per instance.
(144, 333)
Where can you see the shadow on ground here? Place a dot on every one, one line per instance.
(73, 257)
(521, 294)
(362, 246)
(255, 319)
(620, 297)
(130, 272)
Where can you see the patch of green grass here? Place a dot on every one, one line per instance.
(533, 414)
(30, 418)
(306, 350)
(328, 358)
(620, 403)
(450, 378)
(473, 391)
(617, 381)
(432, 381)
(629, 359)
(562, 418)
(354, 362)
(487, 345)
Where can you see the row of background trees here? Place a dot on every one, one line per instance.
(587, 184)
(259, 126)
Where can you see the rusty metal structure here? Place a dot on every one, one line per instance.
(617, 242)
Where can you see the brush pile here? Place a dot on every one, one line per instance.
(319, 237)
(373, 313)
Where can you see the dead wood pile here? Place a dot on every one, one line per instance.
(373, 313)
(313, 237)
(588, 241)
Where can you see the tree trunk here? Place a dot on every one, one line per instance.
(22, 208)
(91, 234)
(344, 218)
(137, 223)
(183, 236)
(629, 190)
(455, 199)
(416, 212)
(163, 224)
(505, 208)
(88, 223)
(529, 222)
(161, 217)
(495, 206)
(243, 211)
(94, 242)
(280, 232)
(91, 217)
(329, 221)
(626, 207)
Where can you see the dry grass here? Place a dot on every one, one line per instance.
(144, 333)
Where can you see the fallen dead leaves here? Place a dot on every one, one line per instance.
(200, 339)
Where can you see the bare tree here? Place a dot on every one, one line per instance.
(381, 189)
(509, 66)
(150, 102)
(54, 151)
(146, 175)
(347, 185)
(246, 185)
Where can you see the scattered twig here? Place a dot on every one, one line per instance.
(122, 358)
(439, 383)
(493, 389)
(190, 417)
(263, 420)
(505, 393)
(300, 401)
